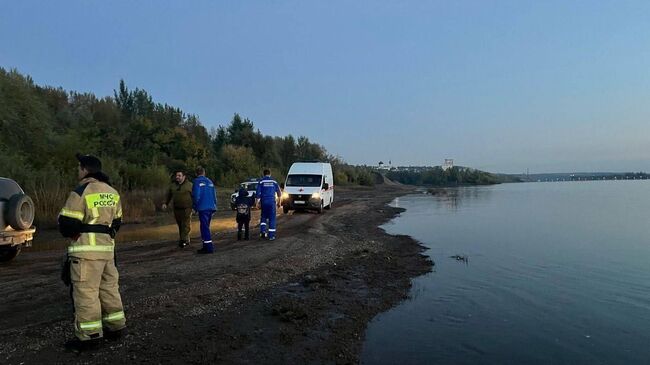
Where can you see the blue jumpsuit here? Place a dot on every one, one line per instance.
(267, 188)
(204, 196)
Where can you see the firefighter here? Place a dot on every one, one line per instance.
(268, 197)
(204, 196)
(91, 217)
(180, 192)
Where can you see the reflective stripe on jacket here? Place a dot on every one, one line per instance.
(91, 203)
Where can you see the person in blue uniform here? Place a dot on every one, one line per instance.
(204, 196)
(267, 190)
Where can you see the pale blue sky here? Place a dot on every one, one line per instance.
(497, 85)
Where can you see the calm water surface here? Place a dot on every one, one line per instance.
(558, 273)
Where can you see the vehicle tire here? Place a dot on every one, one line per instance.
(329, 206)
(9, 253)
(21, 212)
(285, 210)
(320, 209)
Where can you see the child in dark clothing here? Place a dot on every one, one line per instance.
(243, 204)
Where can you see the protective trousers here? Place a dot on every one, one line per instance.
(184, 222)
(268, 214)
(96, 297)
(205, 216)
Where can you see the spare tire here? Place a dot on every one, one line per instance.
(20, 212)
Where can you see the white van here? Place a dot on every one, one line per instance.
(309, 185)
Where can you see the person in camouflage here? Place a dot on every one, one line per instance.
(180, 193)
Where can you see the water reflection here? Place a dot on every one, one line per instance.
(451, 198)
(455, 198)
(559, 274)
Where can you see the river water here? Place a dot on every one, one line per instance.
(557, 273)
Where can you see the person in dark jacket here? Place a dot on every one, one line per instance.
(204, 195)
(180, 192)
(243, 204)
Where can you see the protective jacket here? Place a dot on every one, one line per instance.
(266, 191)
(204, 194)
(91, 217)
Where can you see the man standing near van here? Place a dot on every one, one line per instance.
(180, 192)
(267, 190)
(204, 196)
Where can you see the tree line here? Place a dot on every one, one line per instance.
(455, 176)
(139, 140)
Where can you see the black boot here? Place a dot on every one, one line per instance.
(114, 335)
(182, 244)
(238, 235)
(76, 345)
(207, 248)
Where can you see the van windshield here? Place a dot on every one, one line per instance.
(304, 180)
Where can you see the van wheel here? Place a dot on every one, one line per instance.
(9, 253)
(320, 209)
(285, 210)
(21, 212)
(329, 206)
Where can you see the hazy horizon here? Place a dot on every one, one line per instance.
(500, 86)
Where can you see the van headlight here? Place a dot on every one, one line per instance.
(285, 195)
(315, 196)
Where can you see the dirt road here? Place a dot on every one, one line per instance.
(304, 298)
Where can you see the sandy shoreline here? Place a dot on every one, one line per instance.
(306, 298)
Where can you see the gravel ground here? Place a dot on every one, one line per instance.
(305, 298)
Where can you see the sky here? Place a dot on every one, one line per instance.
(503, 86)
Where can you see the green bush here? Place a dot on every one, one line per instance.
(341, 178)
(366, 178)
